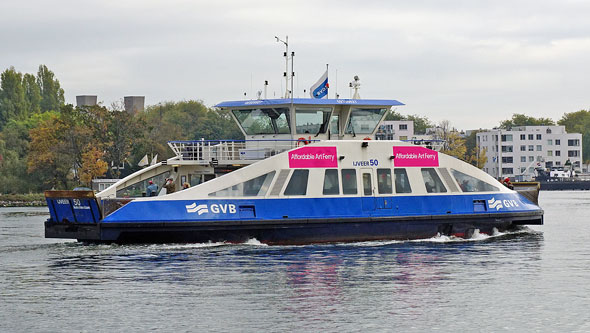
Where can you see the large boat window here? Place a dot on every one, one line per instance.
(256, 187)
(312, 121)
(402, 182)
(298, 183)
(384, 181)
(364, 121)
(264, 121)
(471, 184)
(139, 189)
(432, 181)
(331, 184)
(349, 181)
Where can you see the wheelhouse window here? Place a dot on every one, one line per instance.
(471, 184)
(298, 183)
(349, 181)
(313, 121)
(432, 181)
(364, 121)
(255, 187)
(264, 121)
(402, 182)
(331, 184)
(384, 185)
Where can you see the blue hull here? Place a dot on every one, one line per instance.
(303, 221)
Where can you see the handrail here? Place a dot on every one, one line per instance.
(231, 151)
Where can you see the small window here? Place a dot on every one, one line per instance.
(539, 147)
(523, 137)
(331, 184)
(557, 142)
(402, 183)
(349, 181)
(384, 181)
(367, 184)
(472, 184)
(531, 136)
(432, 181)
(298, 183)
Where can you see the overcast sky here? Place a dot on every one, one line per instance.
(472, 62)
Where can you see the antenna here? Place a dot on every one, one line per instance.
(288, 93)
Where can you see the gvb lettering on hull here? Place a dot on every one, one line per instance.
(500, 204)
(212, 208)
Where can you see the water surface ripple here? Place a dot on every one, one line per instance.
(533, 280)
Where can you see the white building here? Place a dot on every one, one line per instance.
(396, 130)
(516, 153)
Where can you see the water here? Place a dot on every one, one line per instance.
(535, 280)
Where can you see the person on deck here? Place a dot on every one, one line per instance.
(170, 186)
(152, 189)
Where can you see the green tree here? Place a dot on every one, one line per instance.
(524, 120)
(52, 95)
(12, 96)
(579, 122)
(32, 94)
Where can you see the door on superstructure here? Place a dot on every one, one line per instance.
(368, 190)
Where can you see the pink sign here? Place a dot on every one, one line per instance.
(412, 156)
(313, 157)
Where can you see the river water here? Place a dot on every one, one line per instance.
(534, 280)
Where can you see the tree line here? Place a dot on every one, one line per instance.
(45, 143)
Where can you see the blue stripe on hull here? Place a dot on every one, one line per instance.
(162, 211)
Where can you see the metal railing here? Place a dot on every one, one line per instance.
(224, 151)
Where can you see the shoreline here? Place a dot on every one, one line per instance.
(23, 200)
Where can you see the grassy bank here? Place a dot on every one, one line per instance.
(22, 200)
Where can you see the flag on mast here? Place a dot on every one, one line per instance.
(154, 160)
(320, 88)
(144, 161)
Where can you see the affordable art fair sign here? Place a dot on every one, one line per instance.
(414, 157)
(313, 157)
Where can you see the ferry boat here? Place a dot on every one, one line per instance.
(307, 172)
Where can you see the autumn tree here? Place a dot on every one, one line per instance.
(93, 165)
(49, 153)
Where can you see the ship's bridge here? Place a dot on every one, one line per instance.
(308, 118)
(271, 126)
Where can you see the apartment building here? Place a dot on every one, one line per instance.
(517, 152)
(395, 130)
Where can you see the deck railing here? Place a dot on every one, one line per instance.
(223, 151)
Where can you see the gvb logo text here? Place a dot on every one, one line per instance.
(212, 208)
(499, 204)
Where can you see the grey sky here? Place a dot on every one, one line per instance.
(472, 62)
